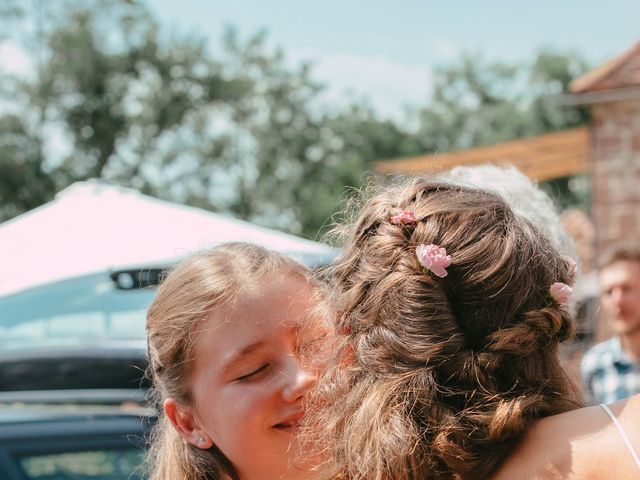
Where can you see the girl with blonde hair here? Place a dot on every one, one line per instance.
(228, 335)
(450, 311)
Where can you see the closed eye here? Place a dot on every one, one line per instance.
(253, 374)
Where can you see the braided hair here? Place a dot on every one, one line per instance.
(438, 378)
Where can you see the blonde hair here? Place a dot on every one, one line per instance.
(197, 286)
(438, 378)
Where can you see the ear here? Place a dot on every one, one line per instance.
(185, 423)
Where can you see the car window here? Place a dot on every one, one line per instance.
(71, 312)
(89, 465)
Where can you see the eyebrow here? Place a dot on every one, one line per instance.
(235, 357)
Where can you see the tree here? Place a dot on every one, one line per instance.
(239, 131)
(353, 140)
(480, 103)
(111, 101)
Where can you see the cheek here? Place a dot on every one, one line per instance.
(226, 423)
(239, 409)
(608, 301)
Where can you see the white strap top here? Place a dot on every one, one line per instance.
(623, 434)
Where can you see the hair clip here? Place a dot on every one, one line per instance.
(434, 258)
(561, 293)
(402, 217)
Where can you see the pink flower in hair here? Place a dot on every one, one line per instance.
(434, 258)
(402, 217)
(561, 293)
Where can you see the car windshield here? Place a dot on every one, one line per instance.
(79, 311)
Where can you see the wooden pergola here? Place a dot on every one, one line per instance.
(545, 157)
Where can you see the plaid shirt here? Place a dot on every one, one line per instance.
(608, 374)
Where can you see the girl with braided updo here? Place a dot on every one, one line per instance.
(451, 309)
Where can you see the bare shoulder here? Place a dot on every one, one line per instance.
(580, 444)
(628, 414)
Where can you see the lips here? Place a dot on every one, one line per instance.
(290, 422)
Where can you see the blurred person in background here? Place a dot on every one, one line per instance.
(611, 370)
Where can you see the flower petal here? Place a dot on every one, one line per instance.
(434, 258)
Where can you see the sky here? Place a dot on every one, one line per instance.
(386, 51)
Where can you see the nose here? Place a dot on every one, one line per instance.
(299, 380)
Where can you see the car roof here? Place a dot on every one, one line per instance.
(44, 413)
(113, 397)
(84, 367)
(23, 414)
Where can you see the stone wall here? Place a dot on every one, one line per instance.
(615, 141)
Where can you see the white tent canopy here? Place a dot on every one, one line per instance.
(93, 226)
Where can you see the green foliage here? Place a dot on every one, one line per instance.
(478, 103)
(24, 184)
(240, 131)
(549, 77)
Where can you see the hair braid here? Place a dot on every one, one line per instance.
(428, 381)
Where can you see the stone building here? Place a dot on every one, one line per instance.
(612, 92)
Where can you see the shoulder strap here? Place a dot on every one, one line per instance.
(624, 435)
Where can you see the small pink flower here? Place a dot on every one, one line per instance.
(434, 258)
(561, 293)
(402, 217)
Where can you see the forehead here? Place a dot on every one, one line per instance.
(276, 300)
(621, 271)
(267, 318)
(283, 290)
